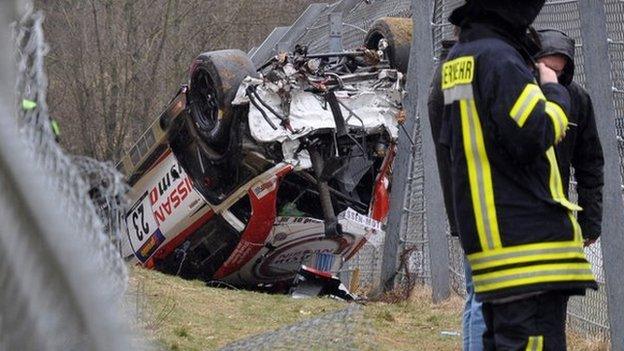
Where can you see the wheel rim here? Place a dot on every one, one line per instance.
(204, 102)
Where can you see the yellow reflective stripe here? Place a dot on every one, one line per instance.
(532, 275)
(487, 179)
(526, 103)
(472, 173)
(533, 269)
(524, 248)
(555, 184)
(558, 118)
(578, 233)
(577, 253)
(480, 177)
(534, 280)
(530, 344)
(536, 343)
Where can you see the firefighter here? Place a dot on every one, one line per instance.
(581, 147)
(473, 325)
(516, 225)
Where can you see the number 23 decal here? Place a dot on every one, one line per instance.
(141, 228)
(141, 223)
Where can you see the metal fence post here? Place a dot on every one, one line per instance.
(419, 78)
(335, 32)
(8, 14)
(400, 180)
(599, 84)
(268, 48)
(300, 26)
(435, 217)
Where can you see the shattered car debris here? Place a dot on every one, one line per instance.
(260, 172)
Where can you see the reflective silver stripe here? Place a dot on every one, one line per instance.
(457, 93)
(528, 253)
(545, 273)
(528, 105)
(479, 170)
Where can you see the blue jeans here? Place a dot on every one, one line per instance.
(473, 323)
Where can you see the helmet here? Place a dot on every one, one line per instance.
(517, 14)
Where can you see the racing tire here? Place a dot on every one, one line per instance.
(214, 80)
(398, 33)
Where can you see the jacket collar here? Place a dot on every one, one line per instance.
(525, 45)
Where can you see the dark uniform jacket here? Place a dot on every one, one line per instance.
(581, 147)
(435, 105)
(515, 222)
(582, 150)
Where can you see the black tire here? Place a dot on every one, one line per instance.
(398, 33)
(214, 80)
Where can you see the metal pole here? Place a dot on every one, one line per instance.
(435, 219)
(307, 19)
(335, 32)
(599, 84)
(421, 66)
(400, 179)
(8, 14)
(268, 48)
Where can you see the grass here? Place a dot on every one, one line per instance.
(186, 315)
(416, 324)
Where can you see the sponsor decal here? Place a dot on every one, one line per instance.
(174, 173)
(284, 261)
(143, 232)
(367, 222)
(169, 193)
(299, 256)
(150, 246)
(266, 188)
(241, 254)
(172, 200)
(156, 206)
(281, 236)
(298, 220)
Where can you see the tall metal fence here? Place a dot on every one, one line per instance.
(63, 280)
(344, 25)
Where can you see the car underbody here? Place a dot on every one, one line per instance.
(290, 166)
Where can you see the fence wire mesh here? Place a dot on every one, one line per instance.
(333, 331)
(587, 314)
(90, 195)
(63, 283)
(356, 22)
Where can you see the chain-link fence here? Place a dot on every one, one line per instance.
(587, 314)
(63, 280)
(332, 331)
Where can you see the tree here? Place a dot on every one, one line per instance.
(114, 64)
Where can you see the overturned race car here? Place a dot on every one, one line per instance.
(252, 174)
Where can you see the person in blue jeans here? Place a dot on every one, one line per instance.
(473, 325)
